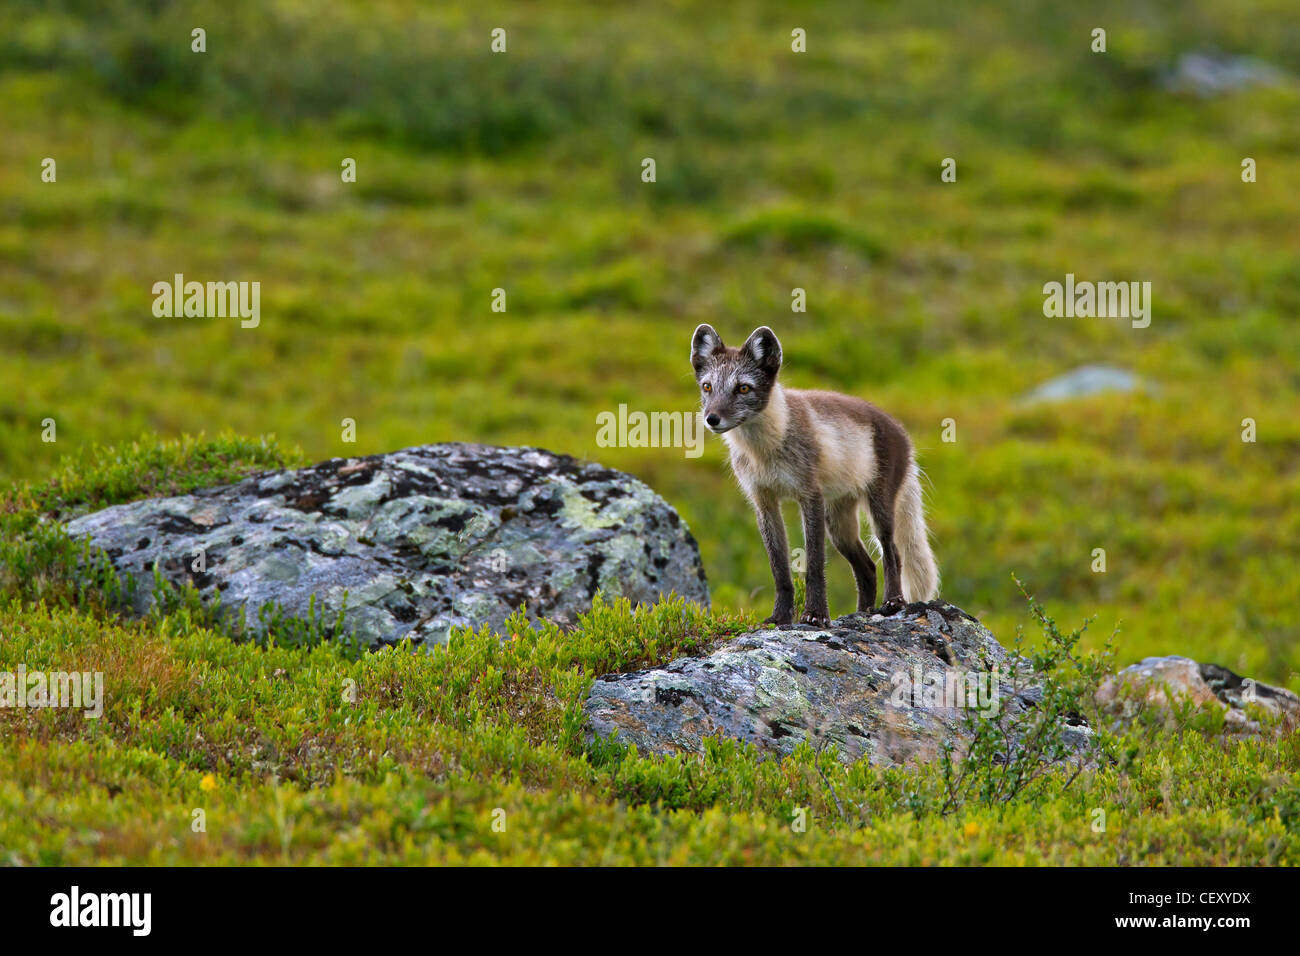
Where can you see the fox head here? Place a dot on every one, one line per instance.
(735, 384)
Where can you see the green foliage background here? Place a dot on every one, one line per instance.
(775, 170)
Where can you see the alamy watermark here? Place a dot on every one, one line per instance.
(954, 689)
(213, 300)
(64, 689)
(1102, 300)
(133, 911)
(637, 429)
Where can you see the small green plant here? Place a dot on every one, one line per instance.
(1010, 756)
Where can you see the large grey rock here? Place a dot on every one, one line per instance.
(421, 540)
(871, 685)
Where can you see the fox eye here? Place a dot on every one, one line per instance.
(744, 390)
(707, 387)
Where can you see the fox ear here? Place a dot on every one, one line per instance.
(762, 346)
(705, 343)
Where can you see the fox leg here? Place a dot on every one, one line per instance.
(846, 535)
(813, 510)
(772, 528)
(882, 520)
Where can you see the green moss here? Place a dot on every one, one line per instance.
(312, 755)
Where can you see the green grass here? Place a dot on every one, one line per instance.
(775, 171)
(219, 750)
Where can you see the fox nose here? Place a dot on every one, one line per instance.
(712, 420)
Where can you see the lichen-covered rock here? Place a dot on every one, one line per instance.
(420, 540)
(1160, 683)
(892, 689)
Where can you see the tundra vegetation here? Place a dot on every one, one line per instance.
(521, 171)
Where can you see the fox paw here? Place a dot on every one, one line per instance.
(815, 619)
(779, 620)
(892, 606)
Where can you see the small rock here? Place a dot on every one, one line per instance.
(1207, 74)
(1085, 380)
(1160, 682)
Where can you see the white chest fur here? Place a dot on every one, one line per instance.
(759, 455)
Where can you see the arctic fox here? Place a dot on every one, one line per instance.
(832, 453)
